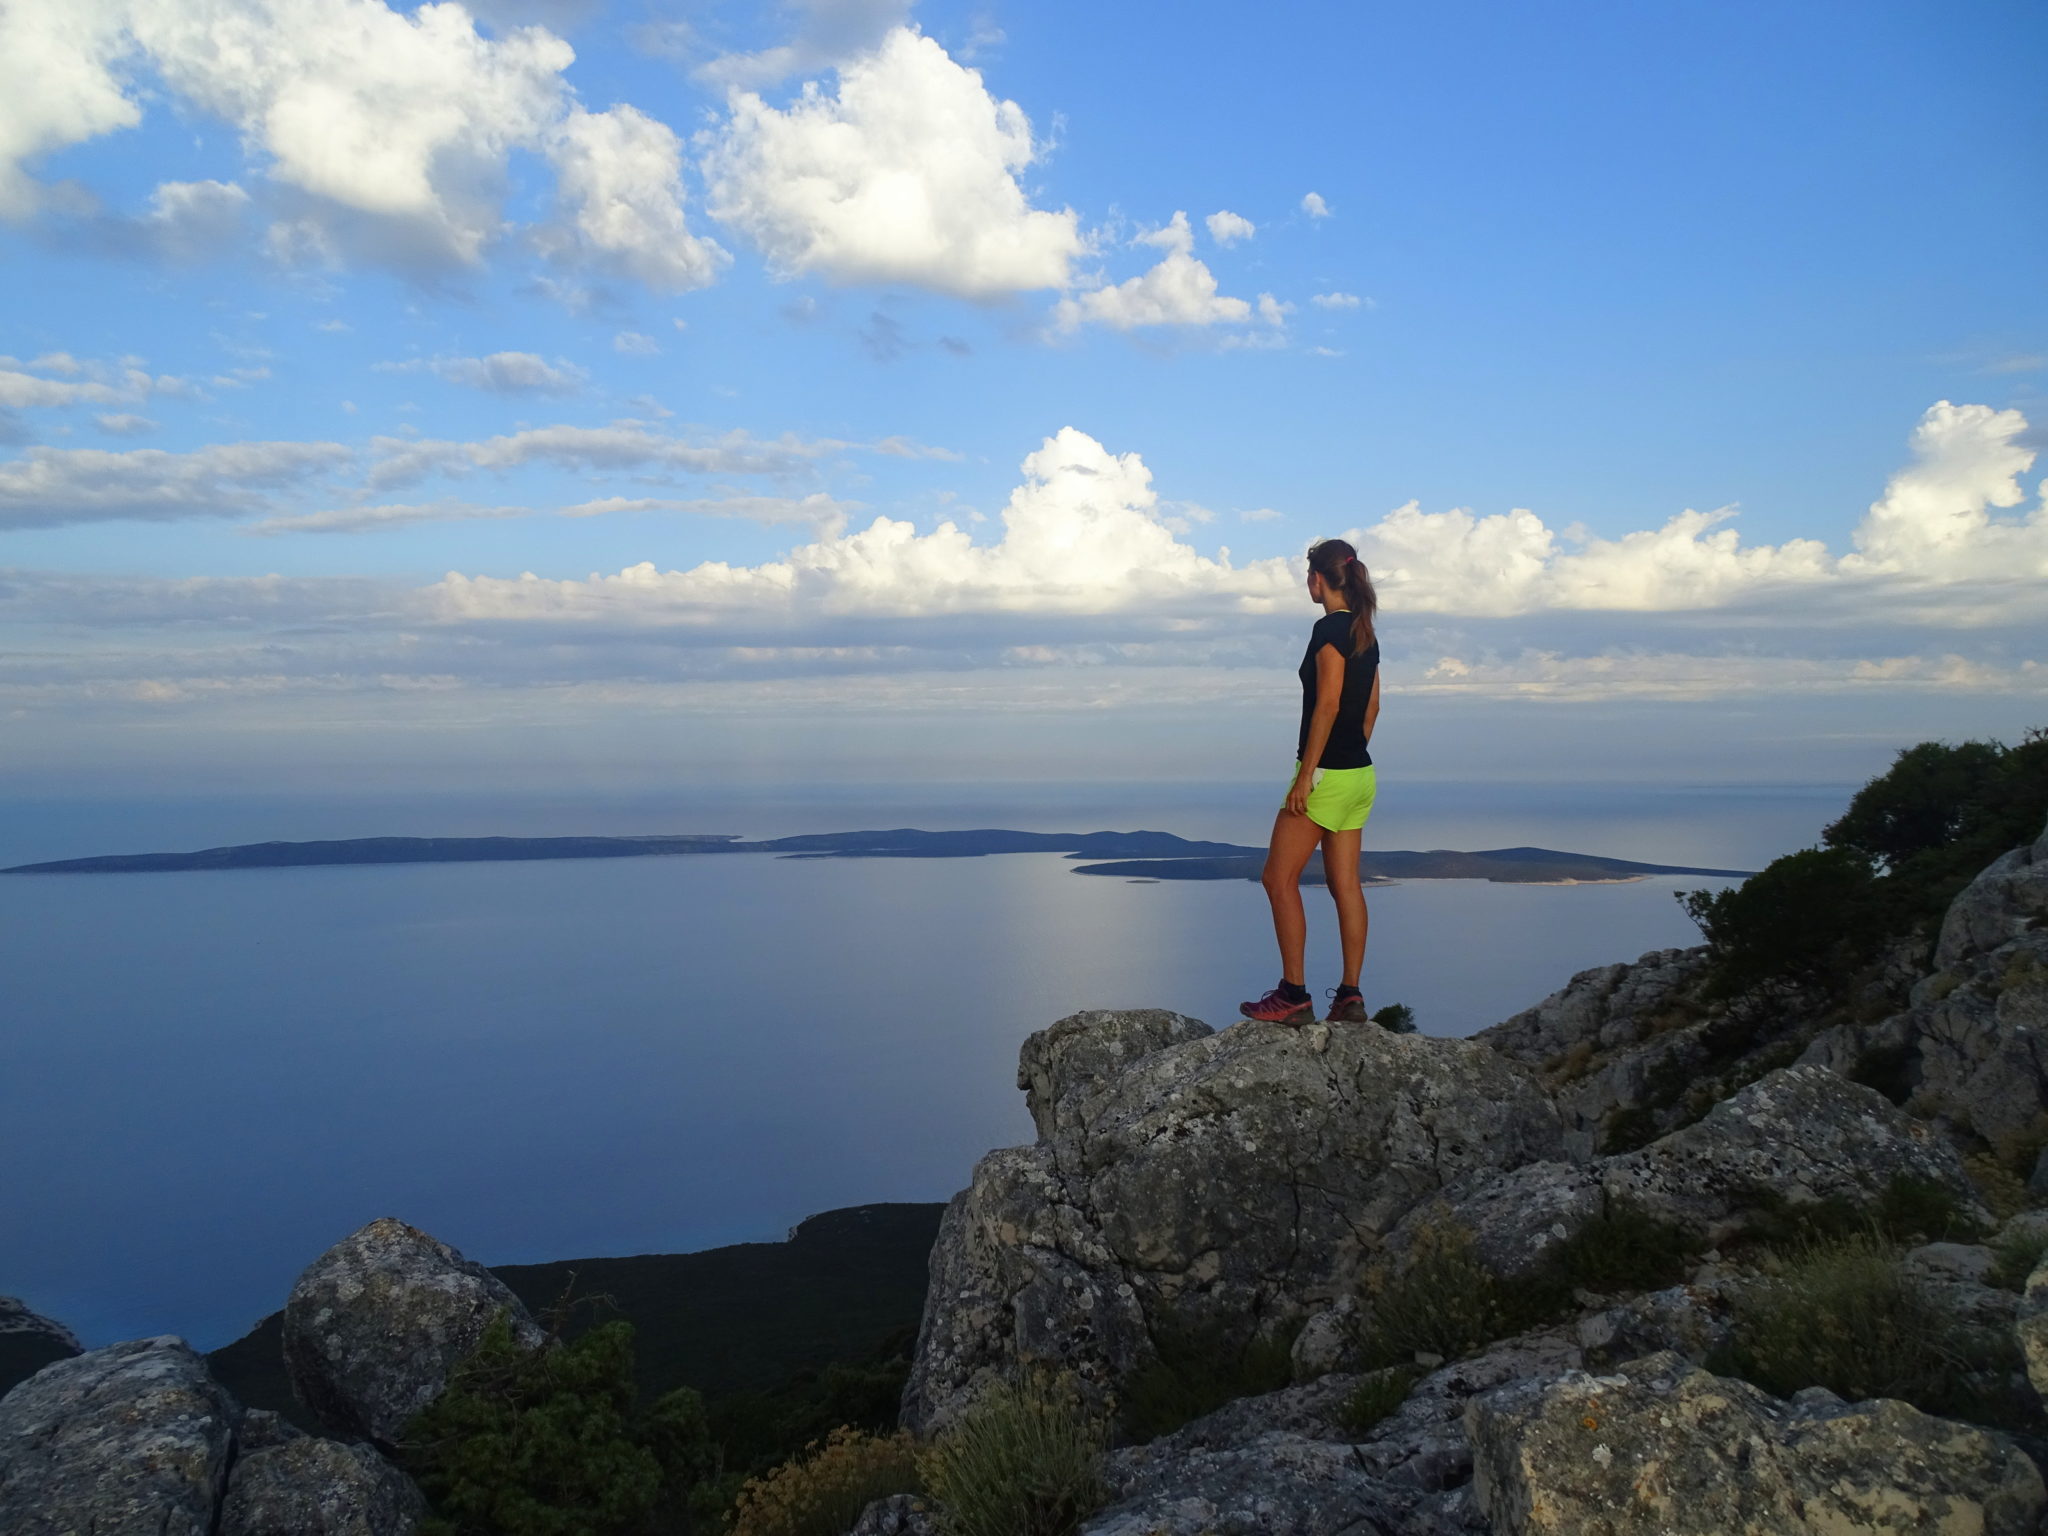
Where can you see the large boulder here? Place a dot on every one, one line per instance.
(29, 1341)
(1601, 1009)
(1799, 1136)
(313, 1487)
(376, 1323)
(1662, 1448)
(1191, 1180)
(2033, 1327)
(130, 1440)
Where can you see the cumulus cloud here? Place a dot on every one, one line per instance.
(1932, 525)
(1083, 534)
(1227, 228)
(1180, 290)
(1313, 205)
(905, 173)
(46, 487)
(619, 178)
(123, 424)
(1334, 300)
(381, 135)
(58, 379)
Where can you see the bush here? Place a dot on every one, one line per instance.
(1843, 1314)
(1622, 1249)
(1024, 1460)
(1197, 1369)
(552, 1441)
(1907, 1210)
(1396, 1017)
(822, 1492)
(1444, 1302)
(1803, 917)
(1377, 1395)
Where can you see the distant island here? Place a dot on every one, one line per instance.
(1131, 855)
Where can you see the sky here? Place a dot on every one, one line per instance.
(601, 393)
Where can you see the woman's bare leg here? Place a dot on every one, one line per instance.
(1340, 872)
(1294, 840)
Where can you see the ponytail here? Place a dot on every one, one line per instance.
(1339, 566)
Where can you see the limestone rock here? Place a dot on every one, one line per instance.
(1218, 1177)
(1688, 1320)
(2008, 900)
(134, 1438)
(901, 1514)
(1328, 1341)
(374, 1325)
(29, 1341)
(1800, 1134)
(1606, 1007)
(1956, 1277)
(1665, 1449)
(2033, 1327)
(314, 1487)
(1515, 1218)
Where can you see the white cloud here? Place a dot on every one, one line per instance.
(47, 487)
(1258, 515)
(1313, 205)
(1082, 535)
(623, 445)
(1334, 300)
(820, 511)
(1934, 519)
(502, 373)
(123, 424)
(828, 32)
(907, 173)
(26, 386)
(635, 344)
(383, 135)
(1227, 228)
(369, 518)
(1180, 290)
(619, 176)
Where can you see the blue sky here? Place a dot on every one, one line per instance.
(971, 377)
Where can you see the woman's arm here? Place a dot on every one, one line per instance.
(1329, 694)
(1372, 705)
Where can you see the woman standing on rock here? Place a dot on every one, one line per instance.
(1333, 787)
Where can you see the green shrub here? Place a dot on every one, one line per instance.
(1627, 1129)
(1397, 1017)
(1443, 1301)
(1842, 1313)
(1024, 1460)
(1378, 1394)
(1197, 1369)
(1907, 1210)
(1803, 917)
(823, 1491)
(1623, 1248)
(552, 1441)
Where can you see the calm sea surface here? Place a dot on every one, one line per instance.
(205, 1079)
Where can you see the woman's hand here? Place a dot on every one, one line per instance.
(1297, 797)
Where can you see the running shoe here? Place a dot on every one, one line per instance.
(1275, 1008)
(1347, 1006)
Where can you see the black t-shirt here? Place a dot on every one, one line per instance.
(1346, 746)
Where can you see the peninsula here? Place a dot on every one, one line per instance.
(1131, 855)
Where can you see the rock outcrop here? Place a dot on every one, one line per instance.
(376, 1323)
(1186, 1179)
(1664, 1447)
(131, 1440)
(29, 1341)
(313, 1487)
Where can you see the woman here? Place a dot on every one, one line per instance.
(1332, 792)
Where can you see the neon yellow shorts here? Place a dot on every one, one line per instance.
(1342, 798)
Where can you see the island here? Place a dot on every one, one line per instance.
(1147, 856)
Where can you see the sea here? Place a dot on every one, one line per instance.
(208, 1078)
